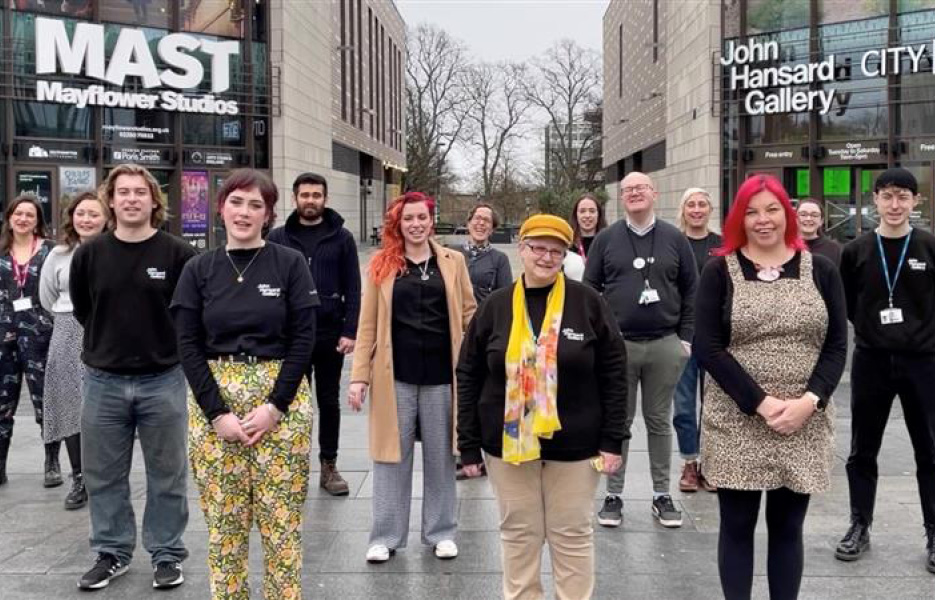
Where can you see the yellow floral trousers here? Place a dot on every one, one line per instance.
(239, 484)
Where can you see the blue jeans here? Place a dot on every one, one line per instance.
(685, 418)
(115, 406)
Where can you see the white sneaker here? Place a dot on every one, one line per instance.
(446, 549)
(378, 553)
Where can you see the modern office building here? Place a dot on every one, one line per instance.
(823, 94)
(196, 88)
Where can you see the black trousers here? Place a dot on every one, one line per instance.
(785, 516)
(876, 379)
(325, 373)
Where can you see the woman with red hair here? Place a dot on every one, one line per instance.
(771, 330)
(417, 303)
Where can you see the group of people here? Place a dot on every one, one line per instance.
(533, 381)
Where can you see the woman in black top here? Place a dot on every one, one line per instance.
(542, 390)
(587, 220)
(811, 225)
(771, 331)
(246, 327)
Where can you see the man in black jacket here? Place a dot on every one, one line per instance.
(318, 233)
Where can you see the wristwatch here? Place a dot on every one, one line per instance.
(816, 401)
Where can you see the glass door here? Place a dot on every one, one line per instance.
(841, 203)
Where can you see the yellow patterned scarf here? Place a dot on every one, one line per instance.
(531, 410)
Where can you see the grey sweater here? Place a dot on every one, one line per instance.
(610, 271)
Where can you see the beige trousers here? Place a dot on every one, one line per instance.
(545, 501)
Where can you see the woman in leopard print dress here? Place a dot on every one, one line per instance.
(771, 330)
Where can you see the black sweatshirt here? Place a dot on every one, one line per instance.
(610, 270)
(713, 330)
(867, 294)
(270, 315)
(703, 247)
(121, 293)
(592, 376)
(827, 247)
(332, 259)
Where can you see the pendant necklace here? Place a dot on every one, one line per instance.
(425, 270)
(240, 273)
(766, 273)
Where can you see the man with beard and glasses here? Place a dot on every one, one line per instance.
(318, 233)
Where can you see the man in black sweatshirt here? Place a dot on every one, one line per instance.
(646, 270)
(318, 233)
(889, 284)
(121, 284)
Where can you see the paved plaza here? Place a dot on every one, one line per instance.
(44, 549)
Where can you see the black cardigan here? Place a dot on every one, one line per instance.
(592, 377)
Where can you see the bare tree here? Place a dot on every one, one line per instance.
(565, 84)
(437, 103)
(497, 111)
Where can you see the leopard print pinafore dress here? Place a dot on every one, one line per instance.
(777, 331)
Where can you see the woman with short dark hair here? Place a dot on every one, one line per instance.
(84, 217)
(25, 327)
(489, 268)
(245, 315)
(811, 224)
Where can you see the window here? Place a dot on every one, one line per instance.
(79, 9)
(214, 17)
(774, 15)
(137, 126)
(837, 11)
(144, 13)
(208, 130)
(46, 120)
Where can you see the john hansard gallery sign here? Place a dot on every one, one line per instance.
(770, 86)
(83, 54)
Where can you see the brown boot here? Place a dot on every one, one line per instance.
(331, 480)
(689, 480)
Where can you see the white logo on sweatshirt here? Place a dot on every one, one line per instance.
(268, 291)
(916, 265)
(155, 273)
(571, 335)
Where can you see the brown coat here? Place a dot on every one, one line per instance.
(373, 356)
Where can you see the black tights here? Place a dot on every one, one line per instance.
(785, 515)
(73, 445)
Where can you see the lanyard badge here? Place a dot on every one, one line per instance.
(892, 315)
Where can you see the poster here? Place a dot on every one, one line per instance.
(39, 184)
(74, 180)
(195, 208)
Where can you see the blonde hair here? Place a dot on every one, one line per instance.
(683, 226)
(161, 209)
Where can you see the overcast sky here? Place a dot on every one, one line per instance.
(511, 29)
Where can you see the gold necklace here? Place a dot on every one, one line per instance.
(240, 273)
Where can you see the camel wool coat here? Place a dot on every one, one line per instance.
(373, 355)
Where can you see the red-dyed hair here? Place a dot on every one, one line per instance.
(734, 234)
(390, 259)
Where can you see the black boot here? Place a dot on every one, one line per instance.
(930, 548)
(4, 452)
(53, 471)
(78, 496)
(854, 543)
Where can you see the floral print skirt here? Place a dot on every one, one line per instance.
(239, 485)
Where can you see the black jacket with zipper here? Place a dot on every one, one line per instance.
(335, 269)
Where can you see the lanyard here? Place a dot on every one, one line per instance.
(891, 284)
(21, 271)
(647, 267)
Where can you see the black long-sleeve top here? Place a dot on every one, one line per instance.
(592, 376)
(120, 292)
(331, 253)
(420, 326)
(827, 247)
(914, 294)
(270, 315)
(713, 330)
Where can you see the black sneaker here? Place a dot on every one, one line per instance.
(665, 513)
(168, 575)
(106, 568)
(611, 513)
(854, 543)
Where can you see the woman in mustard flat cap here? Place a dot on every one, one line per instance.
(542, 402)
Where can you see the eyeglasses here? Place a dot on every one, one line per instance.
(636, 189)
(541, 251)
(481, 219)
(810, 215)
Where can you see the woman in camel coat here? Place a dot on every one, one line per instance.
(417, 303)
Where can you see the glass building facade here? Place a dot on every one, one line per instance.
(879, 84)
(55, 145)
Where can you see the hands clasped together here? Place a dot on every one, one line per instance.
(250, 429)
(786, 416)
